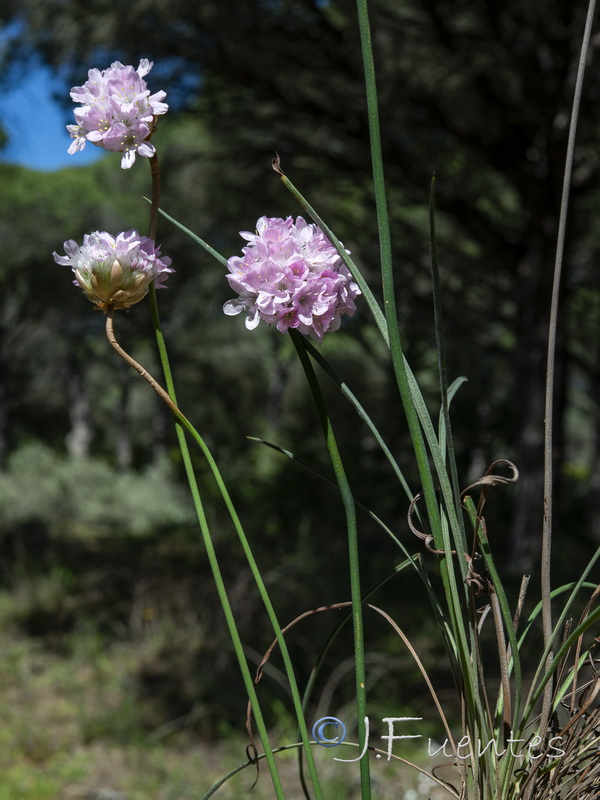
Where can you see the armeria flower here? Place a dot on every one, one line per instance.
(117, 111)
(115, 271)
(290, 275)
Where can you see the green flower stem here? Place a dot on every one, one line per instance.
(171, 401)
(297, 700)
(567, 587)
(247, 552)
(355, 593)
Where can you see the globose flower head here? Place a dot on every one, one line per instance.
(115, 271)
(291, 276)
(117, 111)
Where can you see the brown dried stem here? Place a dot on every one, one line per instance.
(110, 335)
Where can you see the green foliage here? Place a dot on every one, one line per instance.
(87, 498)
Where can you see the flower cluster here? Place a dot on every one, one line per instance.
(115, 271)
(117, 111)
(290, 275)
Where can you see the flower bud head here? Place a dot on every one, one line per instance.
(115, 271)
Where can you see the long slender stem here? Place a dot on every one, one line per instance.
(546, 585)
(214, 564)
(294, 690)
(170, 399)
(353, 557)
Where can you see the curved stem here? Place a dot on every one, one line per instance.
(110, 335)
(212, 557)
(548, 417)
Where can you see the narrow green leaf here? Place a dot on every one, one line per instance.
(353, 555)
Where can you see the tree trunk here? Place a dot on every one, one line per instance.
(123, 446)
(79, 438)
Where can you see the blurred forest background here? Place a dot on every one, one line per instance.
(100, 563)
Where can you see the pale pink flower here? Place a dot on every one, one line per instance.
(291, 276)
(115, 271)
(117, 111)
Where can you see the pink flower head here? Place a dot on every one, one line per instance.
(115, 271)
(117, 111)
(290, 275)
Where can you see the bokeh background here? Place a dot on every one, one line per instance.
(117, 673)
